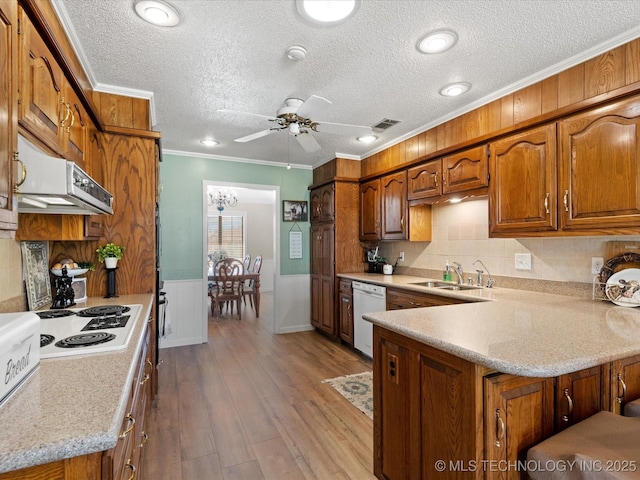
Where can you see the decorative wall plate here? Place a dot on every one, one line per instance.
(623, 287)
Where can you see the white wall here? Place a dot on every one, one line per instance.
(184, 313)
(461, 234)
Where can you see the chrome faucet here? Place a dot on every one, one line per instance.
(490, 281)
(458, 270)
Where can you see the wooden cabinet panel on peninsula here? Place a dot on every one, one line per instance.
(578, 396)
(385, 212)
(624, 381)
(9, 111)
(518, 413)
(426, 409)
(465, 171)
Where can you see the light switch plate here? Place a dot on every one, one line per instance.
(523, 261)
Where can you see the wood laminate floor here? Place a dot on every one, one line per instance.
(250, 405)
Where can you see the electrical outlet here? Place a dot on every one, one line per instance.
(523, 261)
(401, 257)
(596, 265)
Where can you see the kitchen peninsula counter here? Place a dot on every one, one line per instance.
(514, 331)
(72, 405)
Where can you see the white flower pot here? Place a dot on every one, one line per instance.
(111, 262)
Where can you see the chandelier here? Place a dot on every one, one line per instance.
(223, 198)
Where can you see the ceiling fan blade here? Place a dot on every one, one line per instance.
(253, 136)
(308, 143)
(343, 129)
(312, 106)
(225, 110)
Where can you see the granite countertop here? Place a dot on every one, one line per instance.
(72, 405)
(515, 331)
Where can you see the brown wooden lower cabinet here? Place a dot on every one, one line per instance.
(346, 312)
(439, 416)
(398, 299)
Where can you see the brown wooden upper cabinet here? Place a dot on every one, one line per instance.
(465, 171)
(50, 110)
(384, 208)
(322, 204)
(584, 181)
(599, 168)
(522, 194)
(9, 109)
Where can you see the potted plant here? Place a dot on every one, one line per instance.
(110, 254)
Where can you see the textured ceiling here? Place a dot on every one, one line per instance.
(231, 54)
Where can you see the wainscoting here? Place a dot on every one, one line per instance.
(188, 308)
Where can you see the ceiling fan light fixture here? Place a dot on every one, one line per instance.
(209, 142)
(455, 89)
(157, 12)
(327, 12)
(437, 42)
(367, 138)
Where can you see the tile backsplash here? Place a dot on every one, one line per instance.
(460, 233)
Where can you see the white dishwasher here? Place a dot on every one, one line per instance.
(367, 298)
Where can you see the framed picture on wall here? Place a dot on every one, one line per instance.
(35, 258)
(295, 211)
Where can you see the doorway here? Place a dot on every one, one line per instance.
(258, 206)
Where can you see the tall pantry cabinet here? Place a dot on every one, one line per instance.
(335, 245)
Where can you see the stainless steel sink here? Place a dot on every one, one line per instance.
(433, 284)
(459, 287)
(445, 285)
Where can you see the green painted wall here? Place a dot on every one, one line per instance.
(181, 209)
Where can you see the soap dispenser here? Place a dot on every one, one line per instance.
(446, 274)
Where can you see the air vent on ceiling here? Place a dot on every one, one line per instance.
(385, 123)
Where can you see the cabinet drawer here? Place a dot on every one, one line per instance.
(399, 299)
(345, 286)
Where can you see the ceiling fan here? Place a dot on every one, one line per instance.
(295, 116)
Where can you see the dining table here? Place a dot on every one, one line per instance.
(244, 277)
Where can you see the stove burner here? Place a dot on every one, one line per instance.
(46, 339)
(85, 340)
(55, 313)
(101, 323)
(102, 310)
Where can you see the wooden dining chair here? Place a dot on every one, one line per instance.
(227, 287)
(249, 290)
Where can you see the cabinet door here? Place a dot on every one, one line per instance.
(370, 210)
(394, 206)
(391, 403)
(322, 278)
(9, 112)
(41, 96)
(465, 171)
(600, 168)
(522, 190)
(315, 200)
(518, 413)
(578, 396)
(425, 181)
(625, 382)
(346, 318)
(322, 204)
(75, 129)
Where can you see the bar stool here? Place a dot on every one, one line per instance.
(604, 446)
(632, 409)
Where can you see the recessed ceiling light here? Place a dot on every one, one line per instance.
(455, 89)
(328, 12)
(437, 42)
(208, 142)
(367, 139)
(157, 12)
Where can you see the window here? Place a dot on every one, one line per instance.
(226, 232)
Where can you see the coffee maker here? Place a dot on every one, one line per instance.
(65, 295)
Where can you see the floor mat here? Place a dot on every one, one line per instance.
(357, 388)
